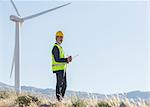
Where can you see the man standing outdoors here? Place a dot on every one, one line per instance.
(59, 63)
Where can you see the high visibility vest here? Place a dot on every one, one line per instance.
(56, 66)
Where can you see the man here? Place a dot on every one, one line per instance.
(59, 63)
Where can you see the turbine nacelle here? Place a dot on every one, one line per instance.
(16, 18)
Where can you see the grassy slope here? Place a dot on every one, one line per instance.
(10, 99)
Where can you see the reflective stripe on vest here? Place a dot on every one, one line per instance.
(58, 65)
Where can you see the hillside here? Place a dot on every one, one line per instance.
(50, 93)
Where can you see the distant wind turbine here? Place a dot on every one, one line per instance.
(16, 57)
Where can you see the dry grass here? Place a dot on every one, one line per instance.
(9, 99)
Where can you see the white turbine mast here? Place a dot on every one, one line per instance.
(16, 57)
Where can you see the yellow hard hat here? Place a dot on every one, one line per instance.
(60, 33)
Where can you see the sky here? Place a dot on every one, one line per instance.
(110, 37)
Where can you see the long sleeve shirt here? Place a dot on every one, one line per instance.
(56, 53)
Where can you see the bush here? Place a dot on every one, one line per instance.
(35, 99)
(23, 101)
(26, 100)
(78, 103)
(103, 104)
(4, 95)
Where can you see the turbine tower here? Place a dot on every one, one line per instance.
(16, 57)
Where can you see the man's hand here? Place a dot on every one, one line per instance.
(69, 59)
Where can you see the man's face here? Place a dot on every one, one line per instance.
(59, 39)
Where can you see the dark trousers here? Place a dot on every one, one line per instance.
(61, 84)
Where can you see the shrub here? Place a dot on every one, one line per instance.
(35, 99)
(4, 95)
(103, 104)
(26, 100)
(78, 103)
(23, 101)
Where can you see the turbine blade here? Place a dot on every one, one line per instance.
(13, 62)
(46, 11)
(15, 8)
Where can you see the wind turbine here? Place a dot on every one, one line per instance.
(16, 57)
